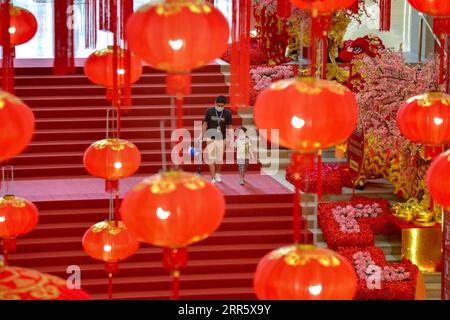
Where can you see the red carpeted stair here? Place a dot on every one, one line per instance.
(70, 115)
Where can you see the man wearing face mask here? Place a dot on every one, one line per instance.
(217, 120)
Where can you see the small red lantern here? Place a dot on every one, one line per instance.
(109, 242)
(173, 209)
(438, 179)
(309, 114)
(112, 159)
(177, 37)
(426, 119)
(98, 67)
(28, 284)
(18, 216)
(16, 126)
(23, 26)
(304, 272)
(323, 6)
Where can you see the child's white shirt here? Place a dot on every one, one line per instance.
(242, 148)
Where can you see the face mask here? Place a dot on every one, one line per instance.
(219, 109)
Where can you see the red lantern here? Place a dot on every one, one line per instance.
(173, 209)
(28, 284)
(98, 67)
(18, 216)
(23, 26)
(177, 37)
(109, 242)
(308, 114)
(16, 126)
(426, 118)
(112, 159)
(323, 6)
(438, 179)
(304, 272)
(436, 8)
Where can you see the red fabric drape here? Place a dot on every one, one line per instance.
(64, 48)
(126, 10)
(91, 24)
(385, 15)
(240, 54)
(284, 8)
(8, 51)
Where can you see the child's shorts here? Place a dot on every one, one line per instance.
(242, 164)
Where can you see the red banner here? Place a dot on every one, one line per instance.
(355, 153)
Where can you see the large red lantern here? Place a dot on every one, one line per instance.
(23, 26)
(323, 6)
(177, 37)
(304, 272)
(98, 67)
(16, 126)
(173, 209)
(308, 114)
(426, 119)
(112, 159)
(109, 242)
(28, 284)
(436, 8)
(438, 179)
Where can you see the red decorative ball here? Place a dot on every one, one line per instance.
(426, 118)
(28, 284)
(323, 6)
(16, 126)
(23, 26)
(173, 209)
(112, 159)
(304, 272)
(98, 67)
(178, 36)
(109, 243)
(308, 114)
(438, 179)
(18, 216)
(436, 8)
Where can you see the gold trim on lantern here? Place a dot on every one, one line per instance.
(167, 182)
(110, 50)
(6, 97)
(16, 202)
(430, 98)
(310, 86)
(174, 7)
(298, 255)
(110, 225)
(37, 285)
(114, 144)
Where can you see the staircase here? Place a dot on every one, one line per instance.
(220, 267)
(70, 114)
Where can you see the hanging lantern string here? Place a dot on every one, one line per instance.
(319, 176)
(163, 145)
(110, 276)
(8, 179)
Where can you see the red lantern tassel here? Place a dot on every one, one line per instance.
(64, 61)
(104, 23)
(91, 24)
(110, 268)
(319, 30)
(441, 27)
(126, 9)
(385, 15)
(240, 54)
(300, 164)
(8, 51)
(174, 260)
(284, 8)
(319, 176)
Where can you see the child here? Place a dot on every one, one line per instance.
(242, 152)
